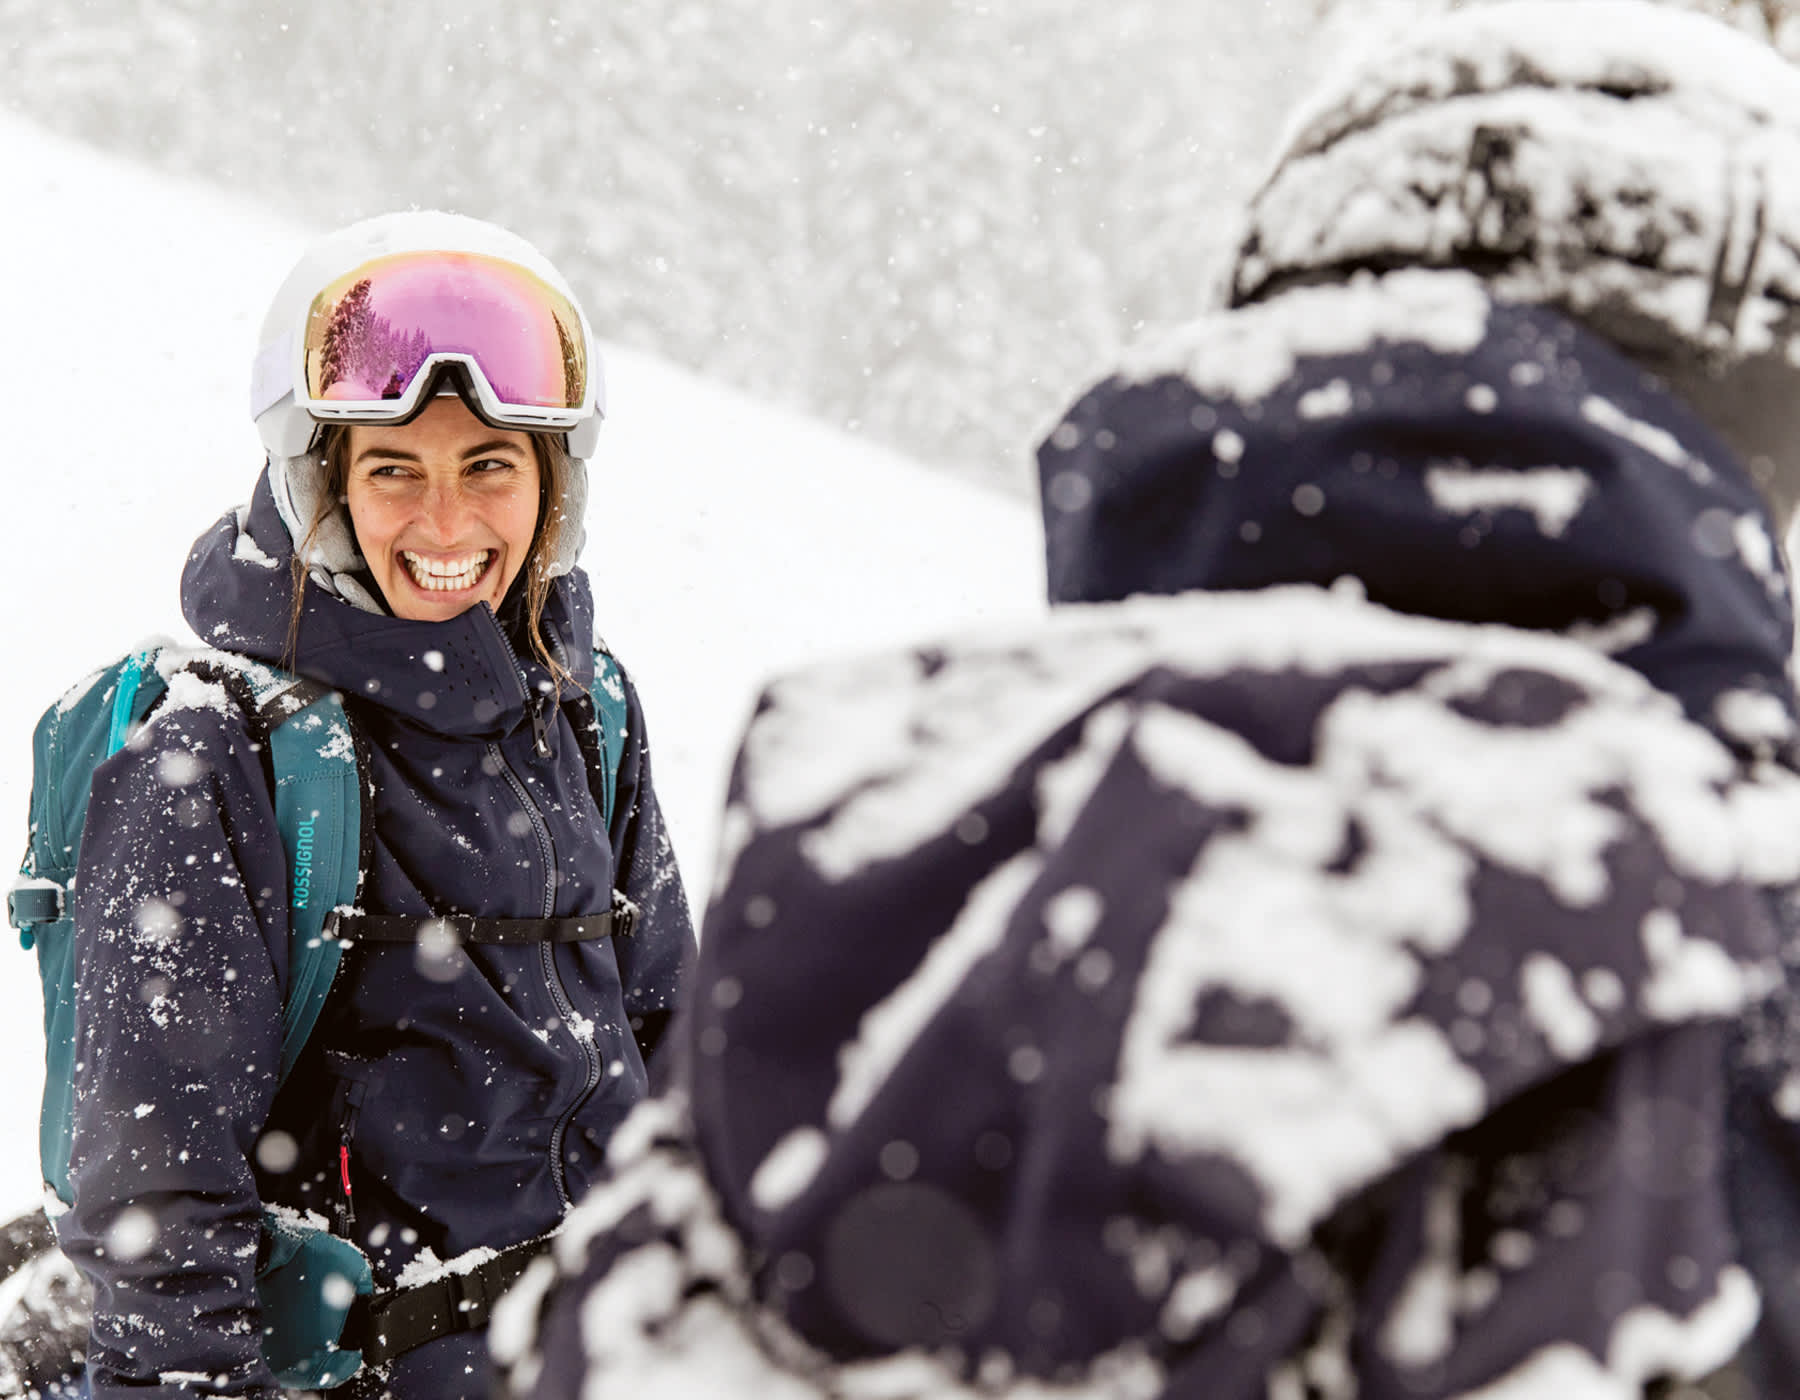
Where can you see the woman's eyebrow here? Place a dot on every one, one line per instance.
(497, 445)
(481, 449)
(392, 452)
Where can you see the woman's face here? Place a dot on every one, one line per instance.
(444, 509)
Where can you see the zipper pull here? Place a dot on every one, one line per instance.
(540, 729)
(346, 1208)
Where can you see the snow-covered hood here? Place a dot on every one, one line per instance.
(1628, 162)
(469, 675)
(1067, 990)
(1458, 457)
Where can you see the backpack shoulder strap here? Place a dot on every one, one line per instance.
(608, 696)
(319, 796)
(319, 811)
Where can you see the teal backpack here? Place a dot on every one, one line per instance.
(308, 1280)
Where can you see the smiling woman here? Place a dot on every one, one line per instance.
(515, 932)
(445, 509)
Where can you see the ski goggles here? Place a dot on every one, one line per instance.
(376, 338)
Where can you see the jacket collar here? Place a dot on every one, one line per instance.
(1459, 458)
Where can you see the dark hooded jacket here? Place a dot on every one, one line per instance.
(470, 1096)
(1308, 965)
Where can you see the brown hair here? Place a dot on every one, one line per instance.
(554, 467)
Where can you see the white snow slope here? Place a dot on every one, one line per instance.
(725, 540)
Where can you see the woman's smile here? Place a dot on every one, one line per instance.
(446, 575)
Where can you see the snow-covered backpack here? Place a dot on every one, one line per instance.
(309, 1280)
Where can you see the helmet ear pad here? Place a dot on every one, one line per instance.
(333, 560)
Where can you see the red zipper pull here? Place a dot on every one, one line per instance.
(346, 1208)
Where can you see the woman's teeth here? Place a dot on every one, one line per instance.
(446, 575)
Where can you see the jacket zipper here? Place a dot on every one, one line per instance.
(559, 996)
(344, 1206)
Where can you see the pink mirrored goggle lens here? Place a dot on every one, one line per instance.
(370, 333)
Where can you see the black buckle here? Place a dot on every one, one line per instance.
(393, 1323)
(358, 1330)
(470, 1301)
(625, 915)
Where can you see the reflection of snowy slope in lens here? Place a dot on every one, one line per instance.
(725, 539)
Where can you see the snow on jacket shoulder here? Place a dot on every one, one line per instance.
(1220, 987)
(471, 1095)
(1328, 976)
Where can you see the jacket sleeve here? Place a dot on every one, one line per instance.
(654, 961)
(181, 900)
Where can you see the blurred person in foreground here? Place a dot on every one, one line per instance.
(1341, 954)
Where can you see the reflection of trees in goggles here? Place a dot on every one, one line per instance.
(370, 333)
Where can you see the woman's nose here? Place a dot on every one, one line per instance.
(445, 509)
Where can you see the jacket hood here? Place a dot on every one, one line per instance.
(472, 675)
(1456, 456)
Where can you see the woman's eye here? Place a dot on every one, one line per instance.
(489, 465)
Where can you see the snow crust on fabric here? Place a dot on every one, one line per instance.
(1220, 1094)
(1320, 978)
(1252, 353)
(1575, 153)
(1535, 476)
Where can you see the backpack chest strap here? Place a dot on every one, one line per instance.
(351, 927)
(387, 1324)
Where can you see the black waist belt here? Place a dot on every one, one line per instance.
(353, 927)
(385, 1325)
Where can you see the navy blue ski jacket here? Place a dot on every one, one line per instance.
(1339, 953)
(474, 1092)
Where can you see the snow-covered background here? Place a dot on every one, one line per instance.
(725, 539)
(922, 221)
(917, 219)
(907, 217)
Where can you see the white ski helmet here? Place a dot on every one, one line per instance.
(296, 388)
(279, 397)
